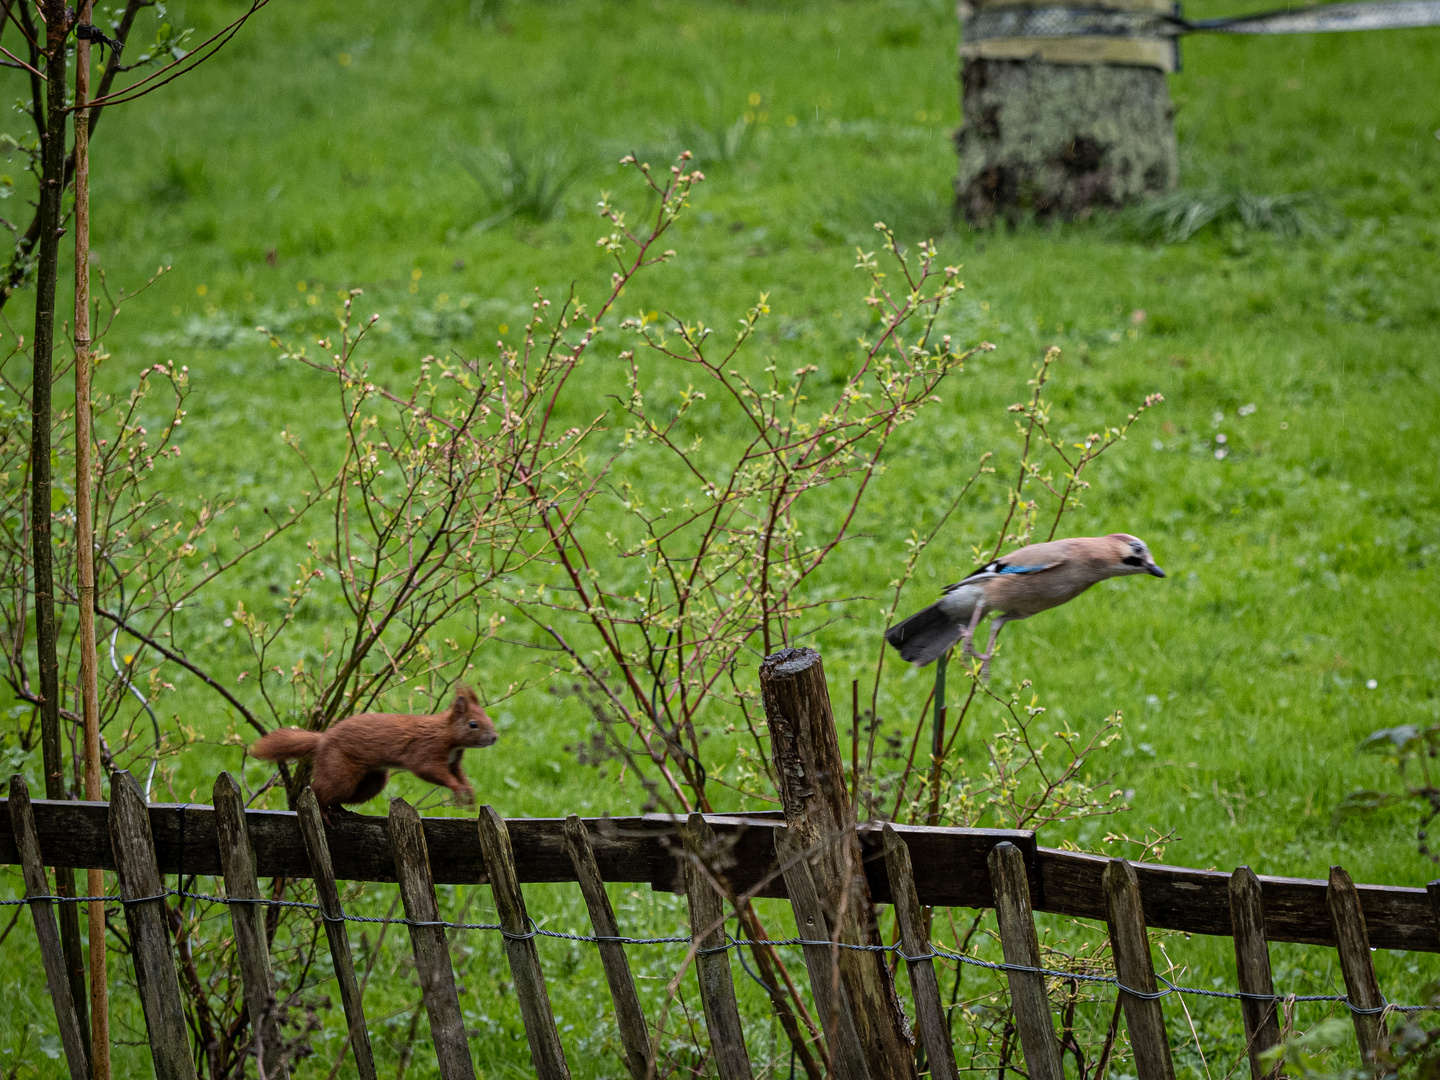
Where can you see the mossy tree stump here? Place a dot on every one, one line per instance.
(1062, 127)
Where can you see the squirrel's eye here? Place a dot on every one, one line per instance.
(474, 724)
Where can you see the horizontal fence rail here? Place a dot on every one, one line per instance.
(950, 865)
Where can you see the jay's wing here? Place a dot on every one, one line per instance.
(1001, 567)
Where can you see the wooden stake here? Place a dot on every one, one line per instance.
(929, 1012)
(328, 897)
(629, 1017)
(85, 545)
(1252, 967)
(707, 931)
(811, 775)
(823, 963)
(1353, 945)
(248, 922)
(1144, 1018)
(546, 1054)
(429, 943)
(1432, 893)
(144, 898)
(27, 843)
(1021, 946)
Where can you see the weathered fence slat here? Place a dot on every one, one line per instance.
(929, 1012)
(312, 828)
(1432, 893)
(546, 1053)
(57, 978)
(144, 899)
(1252, 967)
(707, 929)
(429, 944)
(629, 1017)
(1144, 1018)
(847, 1055)
(252, 947)
(1355, 962)
(810, 773)
(1021, 945)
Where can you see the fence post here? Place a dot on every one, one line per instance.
(237, 859)
(1353, 944)
(143, 896)
(811, 776)
(1252, 966)
(929, 1013)
(57, 978)
(546, 1053)
(707, 930)
(312, 829)
(1021, 945)
(429, 944)
(629, 1017)
(822, 961)
(1144, 1019)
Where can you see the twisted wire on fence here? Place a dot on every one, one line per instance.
(936, 951)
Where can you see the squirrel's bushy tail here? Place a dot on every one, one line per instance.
(285, 744)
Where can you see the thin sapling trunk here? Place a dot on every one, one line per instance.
(85, 547)
(58, 21)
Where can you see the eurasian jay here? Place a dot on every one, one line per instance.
(1016, 586)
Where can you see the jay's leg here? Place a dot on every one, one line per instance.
(995, 626)
(967, 636)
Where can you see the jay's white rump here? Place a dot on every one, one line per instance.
(1016, 586)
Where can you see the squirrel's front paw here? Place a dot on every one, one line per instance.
(465, 796)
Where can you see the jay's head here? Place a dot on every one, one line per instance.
(1131, 556)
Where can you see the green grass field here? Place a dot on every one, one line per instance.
(325, 149)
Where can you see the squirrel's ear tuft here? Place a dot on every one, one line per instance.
(461, 706)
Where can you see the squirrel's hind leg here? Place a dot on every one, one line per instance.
(370, 785)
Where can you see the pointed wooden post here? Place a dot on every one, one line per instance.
(629, 1017)
(1021, 946)
(312, 830)
(1252, 967)
(143, 896)
(546, 1054)
(822, 961)
(929, 1011)
(1144, 1018)
(810, 772)
(429, 944)
(52, 955)
(247, 919)
(712, 968)
(1353, 944)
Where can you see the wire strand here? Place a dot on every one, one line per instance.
(936, 951)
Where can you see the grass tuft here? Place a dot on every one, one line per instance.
(520, 181)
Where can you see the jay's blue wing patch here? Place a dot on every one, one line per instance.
(996, 568)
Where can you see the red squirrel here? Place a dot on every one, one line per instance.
(353, 758)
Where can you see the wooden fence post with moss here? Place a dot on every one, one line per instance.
(820, 822)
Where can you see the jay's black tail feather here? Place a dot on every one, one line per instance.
(924, 636)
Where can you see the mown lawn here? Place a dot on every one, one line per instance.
(325, 150)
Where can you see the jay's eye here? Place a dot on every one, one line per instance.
(1133, 560)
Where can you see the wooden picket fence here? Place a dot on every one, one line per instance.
(832, 873)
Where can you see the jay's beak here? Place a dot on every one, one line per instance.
(1151, 568)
